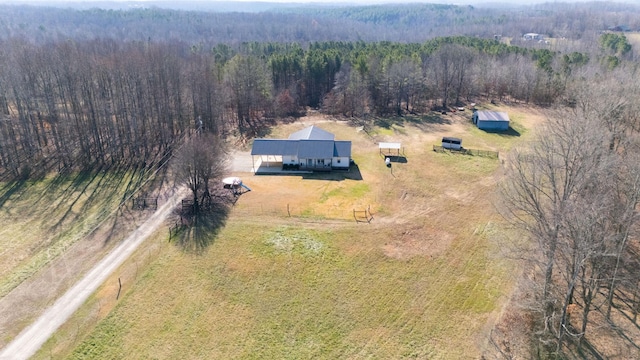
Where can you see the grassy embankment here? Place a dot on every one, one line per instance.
(424, 279)
(42, 220)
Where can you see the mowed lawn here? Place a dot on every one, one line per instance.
(424, 279)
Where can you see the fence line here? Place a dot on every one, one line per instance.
(464, 151)
(363, 215)
(140, 203)
(297, 211)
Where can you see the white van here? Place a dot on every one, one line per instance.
(452, 143)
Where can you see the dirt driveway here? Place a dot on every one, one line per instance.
(31, 338)
(241, 162)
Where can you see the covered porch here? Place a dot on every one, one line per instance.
(274, 165)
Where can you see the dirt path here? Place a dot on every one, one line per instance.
(31, 338)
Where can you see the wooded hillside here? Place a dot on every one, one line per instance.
(221, 23)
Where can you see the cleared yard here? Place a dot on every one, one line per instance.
(292, 275)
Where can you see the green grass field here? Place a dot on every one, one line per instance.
(424, 279)
(294, 292)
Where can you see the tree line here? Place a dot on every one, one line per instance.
(575, 190)
(305, 24)
(78, 103)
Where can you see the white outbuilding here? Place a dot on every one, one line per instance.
(491, 120)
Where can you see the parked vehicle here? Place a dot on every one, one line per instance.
(452, 143)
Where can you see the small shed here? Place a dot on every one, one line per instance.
(491, 120)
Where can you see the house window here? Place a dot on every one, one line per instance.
(338, 161)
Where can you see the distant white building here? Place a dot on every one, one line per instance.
(532, 37)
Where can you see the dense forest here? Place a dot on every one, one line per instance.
(81, 89)
(102, 101)
(304, 24)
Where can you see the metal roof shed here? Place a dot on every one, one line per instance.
(491, 120)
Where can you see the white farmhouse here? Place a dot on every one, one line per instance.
(308, 149)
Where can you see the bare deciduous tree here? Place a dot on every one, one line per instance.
(556, 190)
(451, 65)
(201, 159)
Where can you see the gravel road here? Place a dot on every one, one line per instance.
(31, 338)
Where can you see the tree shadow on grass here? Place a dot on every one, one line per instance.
(65, 185)
(427, 119)
(585, 351)
(387, 123)
(198, 231)
(419, 121)
(10, 189)
(622, 327)
(94, 190)
(78, 188)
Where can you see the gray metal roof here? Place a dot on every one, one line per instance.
(303, 149)
(309, 143)
(315, 149)
(342, 149)
(274, 147)
(485, 115)
(311, 133)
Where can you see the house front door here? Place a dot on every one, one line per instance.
(309, 162)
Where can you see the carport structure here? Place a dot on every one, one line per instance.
(390, 148)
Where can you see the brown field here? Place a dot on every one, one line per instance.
(633, 38)
(292, 275)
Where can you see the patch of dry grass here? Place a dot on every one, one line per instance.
(633, 38)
